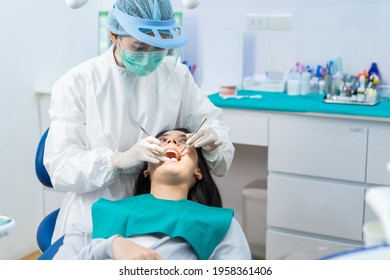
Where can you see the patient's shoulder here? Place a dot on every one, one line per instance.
(83, 224)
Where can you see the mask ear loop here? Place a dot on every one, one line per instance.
(118, 55)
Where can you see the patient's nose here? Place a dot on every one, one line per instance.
(172, 141)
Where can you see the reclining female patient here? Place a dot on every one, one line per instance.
(175, 213)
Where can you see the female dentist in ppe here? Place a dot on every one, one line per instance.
(94, 147)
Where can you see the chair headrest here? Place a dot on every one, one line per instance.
(40, 169)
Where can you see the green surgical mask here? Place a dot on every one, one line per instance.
(142, 63)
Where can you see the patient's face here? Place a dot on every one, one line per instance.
(178, 167)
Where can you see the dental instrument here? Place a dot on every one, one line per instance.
(7, 226)
(143, 130)
(4, 221)
(186, 145)
(258, 96)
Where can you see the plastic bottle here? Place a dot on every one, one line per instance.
(314, 85)
(305, 83)
(294, 83)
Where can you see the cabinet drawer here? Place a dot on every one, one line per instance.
(246, 127)
(281, 245)
(378, 156)
(315, 206)
(317, 148)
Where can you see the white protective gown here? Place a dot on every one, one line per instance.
(93, 108)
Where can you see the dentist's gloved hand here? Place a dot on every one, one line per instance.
(147, 149)
(206, 138)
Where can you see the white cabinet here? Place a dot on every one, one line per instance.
(310, 147)
(319, 170)
(378, 156)
(319, 167)
(287, 245)
(247, 127)
(315, 206)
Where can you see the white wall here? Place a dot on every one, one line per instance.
(321, 29)
(42, 39)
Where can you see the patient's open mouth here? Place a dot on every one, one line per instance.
(172, 155)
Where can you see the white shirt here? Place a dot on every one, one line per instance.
(92, 107)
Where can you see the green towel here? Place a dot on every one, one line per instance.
(203, 227)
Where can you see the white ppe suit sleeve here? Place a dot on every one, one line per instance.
(194, 109)
(71, 164)
(79, 245)
(234, 246)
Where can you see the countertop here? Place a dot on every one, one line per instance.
(306, 104)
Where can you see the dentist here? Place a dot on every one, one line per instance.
(94, 148)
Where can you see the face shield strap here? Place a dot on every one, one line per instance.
(150, 31)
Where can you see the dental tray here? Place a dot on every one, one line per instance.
(347, 101)
(7, 226)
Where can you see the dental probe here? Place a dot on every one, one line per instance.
(143, 130)
(185, 147)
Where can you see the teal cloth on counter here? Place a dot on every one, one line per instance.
(203, 227)
(311, 103)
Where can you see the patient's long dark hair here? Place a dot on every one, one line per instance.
(205, 191)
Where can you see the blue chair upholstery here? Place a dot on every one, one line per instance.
(49, 253)
(45, 230)
(40, 169)
(46, 227)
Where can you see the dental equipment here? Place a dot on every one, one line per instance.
(143, 130)
(7, 226)
(186, 145)
(75, 4)
(258, 96)
(191, 4)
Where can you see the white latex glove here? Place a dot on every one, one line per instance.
(147, 149)
(206, 138)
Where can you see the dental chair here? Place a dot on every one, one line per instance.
(46, 227)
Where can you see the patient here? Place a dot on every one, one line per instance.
(176, 213)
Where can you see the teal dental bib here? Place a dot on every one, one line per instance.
(203, 227)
